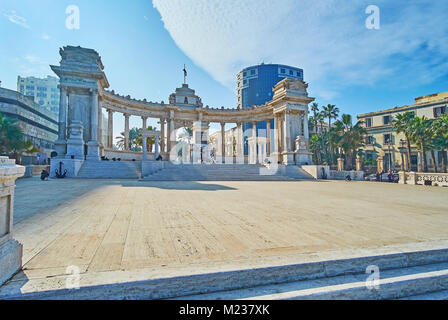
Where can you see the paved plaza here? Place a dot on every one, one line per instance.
(105, 227)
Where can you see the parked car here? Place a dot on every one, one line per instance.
(384, 177)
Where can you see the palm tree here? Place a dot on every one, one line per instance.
(315, 109)
(421, 135)
(440, 139)
(402, 124)
(348, 137)
(330, 112)
(150, 141)
(315, 145)
(132, 141)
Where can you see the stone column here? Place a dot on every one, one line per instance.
(223, 141)
(126, 132)
(300, 127)
(172, 149)
(268, 138)
(306, 132)
(240, 144)
(286, 136)
(277, 133)
(110, 129)
(144, 146)
(144, 125)
(156, 146)
(162, 135)
(61, 143)
(255, 138)
(100, 124)
(93, 152)
(10, 249)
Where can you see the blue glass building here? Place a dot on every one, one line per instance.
(254, 88)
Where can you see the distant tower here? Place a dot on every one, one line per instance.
(255, 84)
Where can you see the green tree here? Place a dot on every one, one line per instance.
(315, 110)
(330, 112)
(402, 124)
(12, 141)
(315, 145)
(132, 142)
(150, 141)
(440, 139)
(421, 136)
(348, 137)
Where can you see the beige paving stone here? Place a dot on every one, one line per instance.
(111, 226)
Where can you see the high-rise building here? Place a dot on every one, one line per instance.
(254, 88)
(44, 91)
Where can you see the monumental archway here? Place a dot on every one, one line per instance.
(83, 87)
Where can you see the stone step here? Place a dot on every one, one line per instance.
(110, 170)
(438, 295)
(403, 274)
(393, 284)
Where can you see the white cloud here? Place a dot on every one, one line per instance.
(45, 36)
(327, 38)
(31, 59)
(14, 18)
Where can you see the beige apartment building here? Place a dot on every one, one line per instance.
(382, 141)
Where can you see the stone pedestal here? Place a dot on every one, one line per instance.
(60, 146)
(75, 143)
(10, 249)
(379, 164)
(340, 164)
(70, 167)
(303, 156)
(288, 158)
(358, 164)
(93, 151)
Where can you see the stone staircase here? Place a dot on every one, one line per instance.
(110, 170)
(403, 275)
(226, 172)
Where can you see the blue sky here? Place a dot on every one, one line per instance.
(144, 45)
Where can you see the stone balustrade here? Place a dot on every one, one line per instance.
(424, 178)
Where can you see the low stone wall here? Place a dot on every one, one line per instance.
(318, 171)
(420, 178)
(34, 170)
(341, 175)
(125, 155)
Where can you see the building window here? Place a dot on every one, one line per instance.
(370, 140)
(439, 111)
(282, 71)
(252, 72)
(244, 74)
(368, 122)
(387, 138)
(291, 72)
(387, 120)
